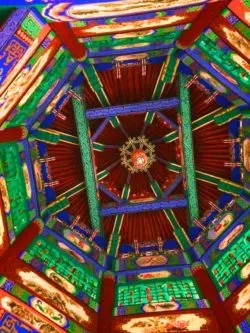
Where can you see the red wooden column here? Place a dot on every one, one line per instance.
(200, 23)
(210, 292)
(13, 134)
(20, 244)
(68, 39)
(106, 302)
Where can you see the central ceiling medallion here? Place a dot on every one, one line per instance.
(137, 154)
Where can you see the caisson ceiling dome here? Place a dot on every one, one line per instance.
(125, 166)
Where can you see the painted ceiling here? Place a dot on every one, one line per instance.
(134, 114)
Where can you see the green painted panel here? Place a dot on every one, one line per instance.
(156, 291)
(231, 260)
(96, 45)
(12, 179)
(49, 79)
(225, 61)
(31, 26)
(40, 306)
(62, 264)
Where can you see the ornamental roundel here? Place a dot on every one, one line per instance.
(137, 154)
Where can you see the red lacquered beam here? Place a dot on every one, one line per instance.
(21, 243)
(210, 292)
(68, 39)
(202, 21)
(106, 303)
(13, 134)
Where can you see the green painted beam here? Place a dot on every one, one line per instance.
(87, 162)
(149, 117)
(160, 84)
(56, 206)
(95, 84)
(98, 146)
(206, 177)
(196, 124)
(222, 184)
(227, 115)
(170, 69)
(68, 138)
(156, 188)
(115, 122)
(115, 238)
(53, 137)
(102, 174)
(230, 187)
(174, 167)
(97, 43)
(72, 191)
(167, 73)
(179, 233)
(46, 136)
(187, 144)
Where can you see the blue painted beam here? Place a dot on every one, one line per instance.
(129, 50)
(11, 25)
(143, 207)
(109, 193)
(172, 186)
(167, 120)
(29, 162)
(149, 106)
(100, 129)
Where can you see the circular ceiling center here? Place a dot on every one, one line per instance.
(137, 154)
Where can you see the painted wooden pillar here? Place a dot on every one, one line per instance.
(13, 134)
(67, 37)
(210, 292)
(106, 302)
(201, 22)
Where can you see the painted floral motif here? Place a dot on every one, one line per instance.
(27, 316)
(231, 236)
(41, 287)
(124, 7)
(151, 261)
(164, 324)
(243, 300)
(48, 311)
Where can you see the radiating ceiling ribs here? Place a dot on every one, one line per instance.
(95, 84)
(115, 237)
(196, 124)
(222, 184)
(53, 136)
